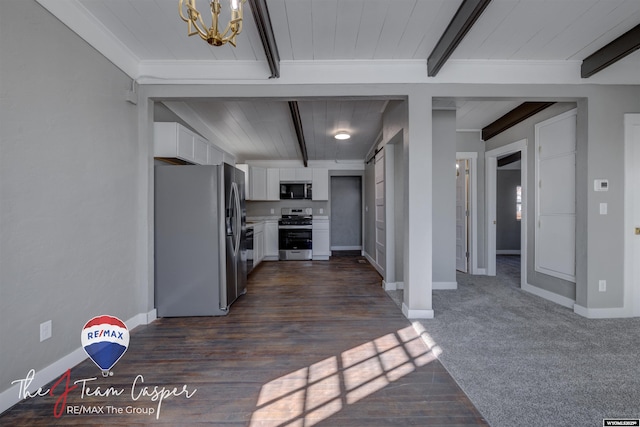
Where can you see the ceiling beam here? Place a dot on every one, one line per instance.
(260, 13)
(297, 124)
(513, 117)
(511, 158)
(467, 14)
(627, 43)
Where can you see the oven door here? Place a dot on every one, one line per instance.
(294, 242)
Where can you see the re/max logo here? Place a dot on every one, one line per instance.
(103, 333)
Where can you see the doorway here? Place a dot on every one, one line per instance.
(346, 213)
(491, 161)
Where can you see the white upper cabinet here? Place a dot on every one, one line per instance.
(200, 150)
(214, 156)
(258, 183)
(261, 183)
(273, 184)
(296, 174)
(320, 184)
(172, 140)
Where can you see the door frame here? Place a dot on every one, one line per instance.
(631, 212)
(472, 242)
(491, 172)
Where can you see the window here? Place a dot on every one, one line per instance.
(518, 203)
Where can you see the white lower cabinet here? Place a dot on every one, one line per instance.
(258, 243)
(320, 236)
(271, 240)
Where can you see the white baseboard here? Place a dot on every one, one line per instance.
(479, 272)
(321, 257)
(508, 252)
(392, 286)
(601, 313)
(346, 248)
(416, 314)
(9, 397)
(444, 286)
(551, 296)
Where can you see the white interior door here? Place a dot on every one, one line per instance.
(462, 215)
(380, 212)
(555, 239)
(632, 212)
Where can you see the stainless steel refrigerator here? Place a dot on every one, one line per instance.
(200, 252)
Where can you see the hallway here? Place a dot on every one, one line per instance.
(312, 343)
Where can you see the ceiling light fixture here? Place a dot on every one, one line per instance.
(212, 35)
(342, 135)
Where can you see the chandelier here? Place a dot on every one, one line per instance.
(212, 35)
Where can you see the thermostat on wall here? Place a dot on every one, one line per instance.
(601, 185)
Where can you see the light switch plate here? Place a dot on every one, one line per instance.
(603, 208)
(601, 185)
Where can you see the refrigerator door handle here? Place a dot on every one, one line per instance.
(235, 195)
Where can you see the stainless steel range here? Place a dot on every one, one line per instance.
(294, 234)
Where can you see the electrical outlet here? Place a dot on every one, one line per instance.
(45, 330)
(273, 211)
(602, 285)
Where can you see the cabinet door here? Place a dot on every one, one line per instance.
(321, 244)
(200, 150)
(185, 148)
(304, 174)
(258, 248)
(273, 184)
(214, 156)
(258, 178)
(271, 239)
(320, 184)
(288, 174)
(247, 182)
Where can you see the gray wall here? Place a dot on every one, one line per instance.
(346, 211)
(69, 198)
(444, 196)
(507, 227)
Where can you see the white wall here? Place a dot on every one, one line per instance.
(68, 195)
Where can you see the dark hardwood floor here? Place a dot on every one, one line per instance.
(311, 343)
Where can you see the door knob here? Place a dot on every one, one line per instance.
(638, 231)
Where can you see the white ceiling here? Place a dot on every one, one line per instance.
(147, 39)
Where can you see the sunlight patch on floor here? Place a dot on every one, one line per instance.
(314, 393)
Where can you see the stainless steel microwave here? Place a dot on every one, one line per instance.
(295, 190)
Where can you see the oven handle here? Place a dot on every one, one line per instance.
(295, 227)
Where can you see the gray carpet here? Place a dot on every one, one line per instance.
(523, 360)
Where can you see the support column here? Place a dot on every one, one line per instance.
(418, 227)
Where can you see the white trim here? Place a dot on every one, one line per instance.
(416, 314)
(392, 286)
(481, 272)
(9, 397)
(601, 313)
(445, 286)
(631, 204)
(346, 248)
(508, 251)
(472, 157)
(491, 178)
(551, 296)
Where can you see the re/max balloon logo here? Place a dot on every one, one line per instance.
(105, 339)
